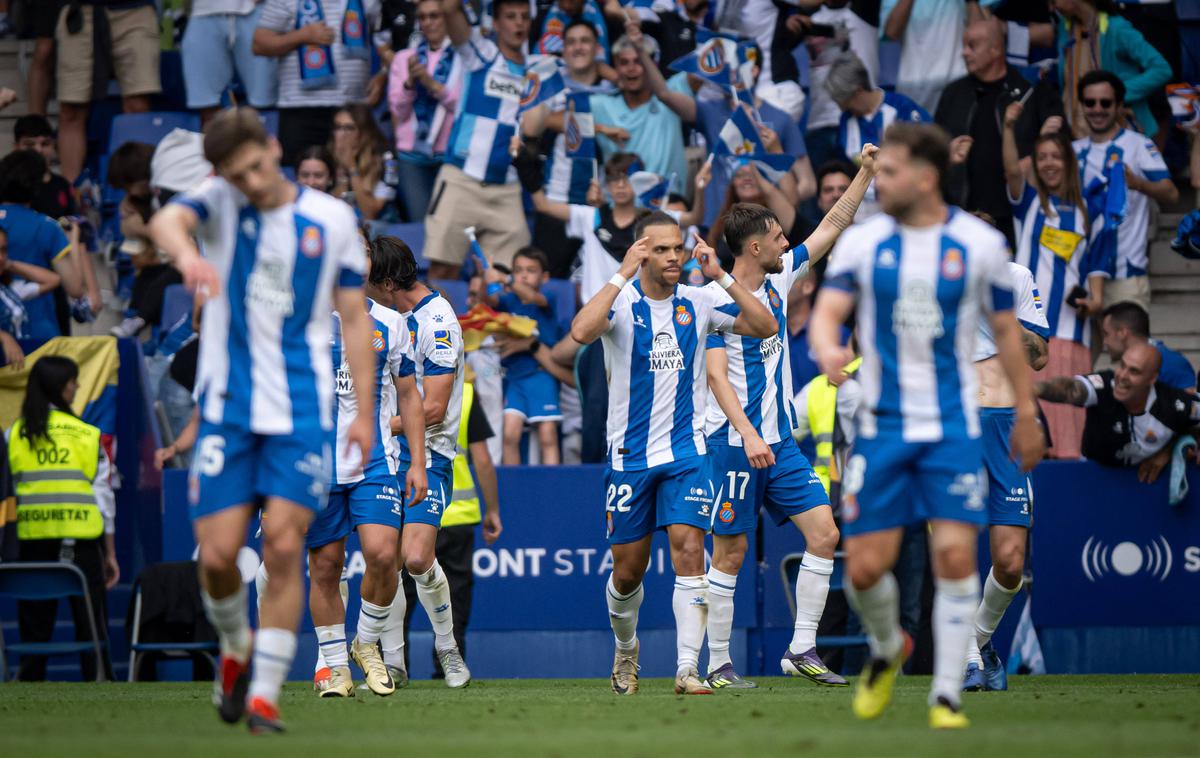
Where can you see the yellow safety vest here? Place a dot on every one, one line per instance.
(53, 477)
(822, 416)
(464, 503)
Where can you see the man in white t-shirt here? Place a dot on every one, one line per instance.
(930, 34)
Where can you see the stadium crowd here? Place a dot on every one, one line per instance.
(435, 122)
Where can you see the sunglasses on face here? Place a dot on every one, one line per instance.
(1092, 102)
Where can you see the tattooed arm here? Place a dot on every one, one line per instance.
(1062, 389)
(841, 215)
(1036, 351)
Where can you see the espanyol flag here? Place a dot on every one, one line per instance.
(543, 80)
(1184, 100)
(739, 139)
(650, 188)
(715, 61)
(743, 63)
(579, 131)
(648, 10)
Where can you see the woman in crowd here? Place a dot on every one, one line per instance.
(60, 468)
(423, 91)
(358, 148)
(750, 186)
(1055, 241)
(315, 168)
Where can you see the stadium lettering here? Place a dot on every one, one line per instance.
(1191, 559)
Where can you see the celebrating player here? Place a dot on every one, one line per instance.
(364, 497)
(920, 276)
(654, 333)
(754, 459)
(438, 367)
(1010, 492)
(275, 256)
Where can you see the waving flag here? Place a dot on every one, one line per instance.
(543, 80)
(715, 61)
(650, 188)
(579, 130)
(739, 140)
(648, 10)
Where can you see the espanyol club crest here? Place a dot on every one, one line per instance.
(532, 85)
(682, 316)
(310, 242)
(571, 131)
(713, 59)
(952, 264)
(353, 24)
(773, 296)
(726, 513)
(314, 57)
(377, 342)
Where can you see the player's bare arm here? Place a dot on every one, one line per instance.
(831, 311)
(356, 334)
(171, 230)
(437, 397)
(1062, 389)
(412, 425)
(1037, 352)
(758, 452)
(1027, 442)
(841, 215)
(592, 319)
(754, 319)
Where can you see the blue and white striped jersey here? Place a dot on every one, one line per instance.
(856, 131)
(1027, 302)
(392, 348)
(437, 349)
(264, 362)
(657, 383)
(921, 293)
(486, 119)
(567, 177)
(759, 370)
(1058, 253)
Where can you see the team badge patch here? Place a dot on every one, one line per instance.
(442, 340)
(952, 264)
(713, 59)
(682, 317)
(726, 513)
(773, 296)
(353, 24)
(311, 243)
(377, 341)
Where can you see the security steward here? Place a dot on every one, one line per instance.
(65, 506)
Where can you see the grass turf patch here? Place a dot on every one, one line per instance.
(1088, 716)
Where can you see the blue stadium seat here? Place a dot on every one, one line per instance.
(889, 64)
(177, 303)
(289, 172)
(181, 571)
(455, 291)
(564, 301)
(412, 234)
(270, 119)
(148, 127)
(49, 581)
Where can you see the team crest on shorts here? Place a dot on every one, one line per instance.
(608, 516)
(682, 316)
(311, 243)
(952, 264)
(726, 513)
(377, 341)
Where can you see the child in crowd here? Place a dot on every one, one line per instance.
(530, 393)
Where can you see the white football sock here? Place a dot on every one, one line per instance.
(260, 589)
(996, 599)
(372, 619)
(878, 607)
(231, 618)
(274, 650)
(623, 614)
(812, 587)
(973, 654)
(434, 593)
(391, 639)
(720, 616)
(690, 603)
(954, 603)
(331, 646)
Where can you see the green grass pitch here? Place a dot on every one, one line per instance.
(1057, 716)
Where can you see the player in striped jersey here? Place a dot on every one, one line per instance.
(754, 460)
(277, 259)
(437, 365)
(919, 277)
(1010, 492)
(364, 497)
(654, 333)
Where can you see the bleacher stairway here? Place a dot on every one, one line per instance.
(1175, 290)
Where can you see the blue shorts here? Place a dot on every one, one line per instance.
(638, 502)
(441, 489)
(234, 466)
(213, 46)
(534, 396)
(1010, 492)
(785, 489)
(375, 500)
(889, 483)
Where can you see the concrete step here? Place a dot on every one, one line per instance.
(1174, 283)
(1165, 261)
(1184, 343)
(1175, 314)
